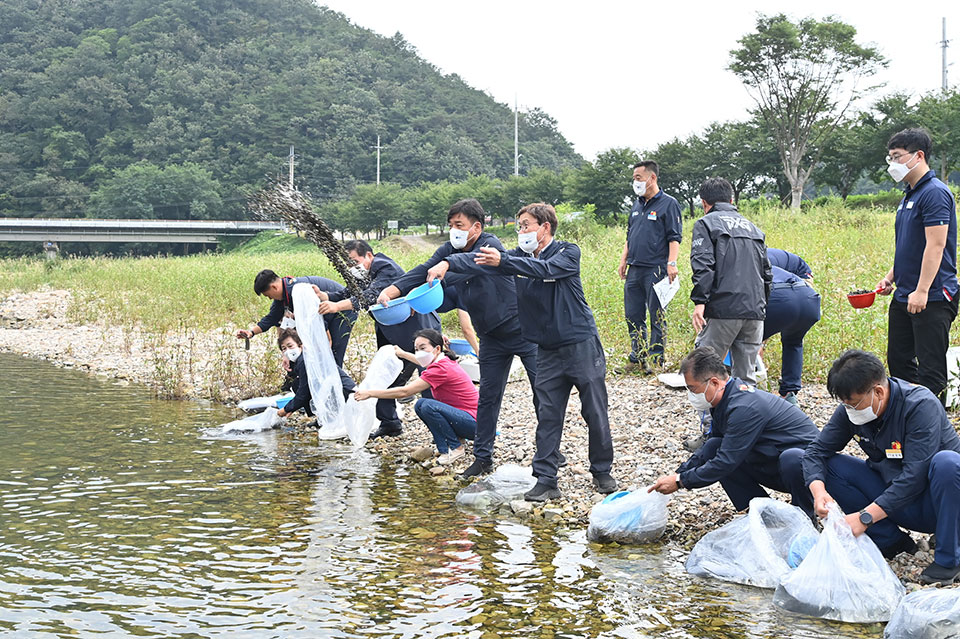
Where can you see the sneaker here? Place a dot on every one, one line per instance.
(476, 469)
(451, 456)
(542, 492)
(906, 544)
(694, 443)
(386, 431)
(792, 398)
(633, 358)
(561, 460)
(937, 574)
(604, 483)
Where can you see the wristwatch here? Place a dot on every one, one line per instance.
(672, 263)
(866, 518)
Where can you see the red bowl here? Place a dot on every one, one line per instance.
(862, 300)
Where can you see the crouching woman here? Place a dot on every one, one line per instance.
(451, 414)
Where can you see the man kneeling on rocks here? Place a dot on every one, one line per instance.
(911, 477)
(755, 436)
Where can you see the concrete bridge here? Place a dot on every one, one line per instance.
(52, 231)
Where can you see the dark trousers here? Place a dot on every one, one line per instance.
(791, 311)
(583, 365)
(497, 349)
(917, 344)
(749, 479)
(638, 298)
(387, 408)
(854, 485)
(340, 325)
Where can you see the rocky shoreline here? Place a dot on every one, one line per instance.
(649, 422)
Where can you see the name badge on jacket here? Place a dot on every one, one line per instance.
(895, 451)
(652, 215)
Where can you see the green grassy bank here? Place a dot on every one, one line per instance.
(846, 248)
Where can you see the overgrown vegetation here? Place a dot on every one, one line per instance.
(847, 250)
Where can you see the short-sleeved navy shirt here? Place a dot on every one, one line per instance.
(652, 225)
(929, 203)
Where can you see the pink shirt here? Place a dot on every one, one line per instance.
(451, 385)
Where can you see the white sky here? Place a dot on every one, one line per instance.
(592, 65)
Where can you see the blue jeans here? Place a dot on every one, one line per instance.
(447, 424)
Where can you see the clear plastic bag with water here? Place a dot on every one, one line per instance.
(508, 483)
(360, 417)
(636, 517)
(933, 613)
(844, 578)
(259, 403)
(323, 375)
(754, 549)
(255, 423)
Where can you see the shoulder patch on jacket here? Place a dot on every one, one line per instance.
(747, 387)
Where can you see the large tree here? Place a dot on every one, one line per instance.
(803, 77)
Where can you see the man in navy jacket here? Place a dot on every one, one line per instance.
(911, 477)
(491, 301)
(554, 314)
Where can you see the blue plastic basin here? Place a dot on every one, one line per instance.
(283, 402)
(461, 347)
(427, 297)
(396, 312)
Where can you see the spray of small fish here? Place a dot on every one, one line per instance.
(287, 203)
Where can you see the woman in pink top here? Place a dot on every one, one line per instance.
(451, 415)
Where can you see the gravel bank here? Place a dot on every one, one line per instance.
(649, 422)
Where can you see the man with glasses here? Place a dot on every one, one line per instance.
(650, 253)
(554, 314)
(924, 267)
(911, 477)
(755, 440)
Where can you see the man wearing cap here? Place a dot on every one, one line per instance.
(491, 301)
(650, 254)
(924, 271)
(380, 271)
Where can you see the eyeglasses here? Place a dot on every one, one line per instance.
(523, 227)
(896, 158)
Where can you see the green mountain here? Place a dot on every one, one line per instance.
(178, 108)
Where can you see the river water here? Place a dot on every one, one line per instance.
(122, 515)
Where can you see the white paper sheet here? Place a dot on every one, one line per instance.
(665, 290)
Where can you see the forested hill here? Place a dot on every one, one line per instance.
(176, 108)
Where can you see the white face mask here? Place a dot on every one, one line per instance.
(639, 188)
(293, 354)
(899, 170)
(458, 238)
(699, 400)
(358, 271)
(863, 415)
(528, 242)
(424, 358)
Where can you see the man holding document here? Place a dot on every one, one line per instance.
(649, 256)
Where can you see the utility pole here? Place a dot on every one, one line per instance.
(378, 147)
(291, 167)
(944, 44)
(516, 137)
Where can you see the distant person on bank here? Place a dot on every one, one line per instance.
(654, 231)
(380, 271)
(292, 348)
(554, 314)
(924, 271)
(911, 477)
(280, 290)
(731, 280)
(451, 413)
(755, 438)
(491, 301)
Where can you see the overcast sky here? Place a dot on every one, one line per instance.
(616, 73)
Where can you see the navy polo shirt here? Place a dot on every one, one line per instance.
(782, 276)
(652, 225)
(789, 262)
(929, 203)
